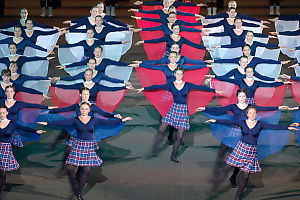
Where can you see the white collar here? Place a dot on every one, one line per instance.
(175, 35)
(2, 120)
(178, 81)
(88, 82)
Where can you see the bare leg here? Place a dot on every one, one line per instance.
(177, 145)
(158, 137)
(242, 185)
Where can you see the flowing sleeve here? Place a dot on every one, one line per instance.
(266, 108)
(25, 77)
(72, 78)
(275, 84)
(219, 109)
(265, 125)
(75, 64)
(219, 23)
(182, 28)
(41, 25)
(158, 40)
(76, 86)
(110, 79)
(100, 111)
(228, 74)
(24, 128)
(47, 32)
(192, 44)
(295, 78)
(290, 33)
(65, 109)
(234, 81)
(34, 58)
(247, 17)
(114, 21)
(107, 121)
(155, 67)
(152, 3)
(192, 86)
(250, 24)
(157, 20)
(192, 67)
(20, 88)
(31, 105)
(229, 122)
(260, 44)
(81, 43)
(185, 13)
(157, 12)
(6, 41)
(180, 3)
(221, 15)
(232, 60)
(9, 33)
(155, 28)
(233, 45)
(269, 61)
(62, 122)
(154, 62)
(260, 35)
(262, 77)
(28, 43)
(192, 61)
(181, 22)
(157, 87)
(290, 17)
(106, 88)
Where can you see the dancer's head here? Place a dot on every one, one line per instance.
(178, 72)
(243, 62)
(172, 17)
(3, 112)
(175, 29)
(246, 50)
(175, 47)
(98, 51)
(100, 7)
(85, 94)
(172, 9)
(249, 36)
(85, 108)
(238, 23)
(90, 33)
(13, 66)
(10, 92)
(231, 12)
(5, 73)
(29, 23)
(98, 20)
(88, 74)
(17, 31)
(241, 95)
(166, 3)
(94, 11)
(23, 13)
(249, 71)
(12, 48)
(232, 4)
(251, 113)
(91, 63)
(173, 55)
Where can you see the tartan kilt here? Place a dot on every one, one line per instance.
(16, 140)
(244, 156)
(250, 101)
(70, 141)
(82, 153)
(7, 159)
(177, 117)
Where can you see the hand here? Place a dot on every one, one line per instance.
(293, 66)
(54, 79)
(137, 62)
(129, 87)
(278, 80)
(138, 3)
(207, 81)
(204, 34)
(126, 119)
(50, 58)
(274, 33)
(134, 65)
(264, 22)
(47, 85)
(211, 66)
(287, 82)
(50, 52)
(293, 49)
(264, 26)
(210, 76)
(200, 109)
(293, 129)
(46, 96)
(283, 107)
(67, 22)
(139, 42)
(56, 46)
(219, 92)
(136, 30)
(52, 107)
(139, 90)
(210, 121)
(127, 83)
(201, 4)
(285, 62)
(134, 17)
(285, 76)
(274, 20)
(130, 26)
(294, 108)
(209, 61)
(124, 42)
(199, 16)
(219, 46)
(43, 123)
(57, 28)
(208, 49)
(40, 131)
(118, 116)
(270, 36)
(281, 46)
(133, 10)
(60, 66)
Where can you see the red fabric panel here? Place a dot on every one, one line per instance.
(295, 89)
(152, 7)
(229, 92)
(192, 52)
(189, 9)
(63, 98)
(109, 101)
(29, 98)
(269, 96)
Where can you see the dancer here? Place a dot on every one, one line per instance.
(230, 138)
(244, 155)
(8, 161)
(177, 116)
(172, 3)
(82, 153)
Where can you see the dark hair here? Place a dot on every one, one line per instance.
(99, 48)
(230, 8)
(173, 25)
(28, 19)
(13, 44)
(98, 17)
(173, 52)
(13, 62)
(10, 86)
(246, 45)
(172, 13)
(90, 28)
(99, 2)
(88, 70)
(251, 107)
(91, 59)
(93, 7)
(23, 9)
(4, 106)
(18, 27)
(243, 57)
(5, 72)
(171, 7)
(84, 89)
(85, 103)
(237, 18)
(248, 66)
(179, 69)
(241, 91)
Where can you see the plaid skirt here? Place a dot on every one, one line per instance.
(16, 140)
(250, 101)
(7, 159)
(82, 153)
(244, 156)
(177, 117)
(70, 141)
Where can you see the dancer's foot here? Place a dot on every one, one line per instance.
(79, 197)
(233, 182)
(174, 159)
(170, 141)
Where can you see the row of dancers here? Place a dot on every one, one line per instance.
(91, 67)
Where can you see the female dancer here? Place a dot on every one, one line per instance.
(94, 87)
(252, 60)
(252, 44)
(233, 136)
(7, 128)
(21, 42)
(19, 59)
(172, 3)
(250, 84)
(87, 21)
(82, 153)
(174, 38)
(244, 155)
(177, 116)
